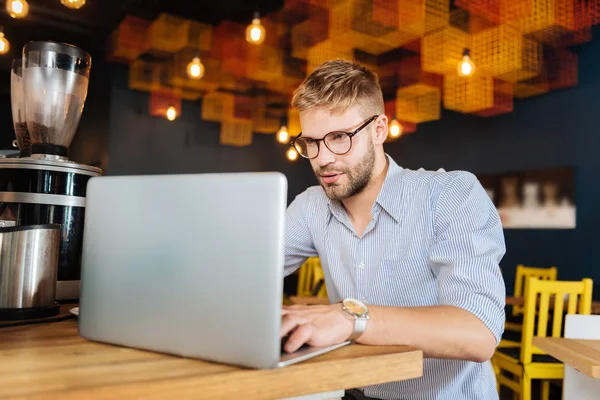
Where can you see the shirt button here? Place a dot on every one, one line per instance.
(361, 265)
(364, 299)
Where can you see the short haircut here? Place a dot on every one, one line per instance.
(338, 85)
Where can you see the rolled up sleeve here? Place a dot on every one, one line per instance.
(468, 247)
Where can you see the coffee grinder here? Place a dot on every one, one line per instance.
(42, 186)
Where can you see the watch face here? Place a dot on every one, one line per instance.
(354, 307)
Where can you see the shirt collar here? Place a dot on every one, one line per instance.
(389, 197)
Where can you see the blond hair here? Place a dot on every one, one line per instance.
(338, 85)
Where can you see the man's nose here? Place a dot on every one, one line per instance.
(325, 156)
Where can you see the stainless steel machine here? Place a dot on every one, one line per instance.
(28, 267)
(42, 186)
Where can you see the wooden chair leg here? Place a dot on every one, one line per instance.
(497, 372)
(545, 390)
(525, 388)
(516, 395)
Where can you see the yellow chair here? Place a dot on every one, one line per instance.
(513, 324)
(305, 278)
(318, 278)
(528, 362)
(522, 274)
(310, 274)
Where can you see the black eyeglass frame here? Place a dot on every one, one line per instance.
(350, 135)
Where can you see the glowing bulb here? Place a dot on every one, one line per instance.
(282, 135)
(4, 44)
(395, 128)
(255, 32)
(17, 8)
(466, 66)
(195, 69)
(74, 4)
(171, 113)
(292, 154)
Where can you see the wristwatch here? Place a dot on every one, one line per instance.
(360, 312)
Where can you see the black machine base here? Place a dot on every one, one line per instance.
(52, 149)
(19, 314)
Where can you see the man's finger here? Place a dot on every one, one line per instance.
(303, 310)
(301, 335)
(289, 322)
(293, 308)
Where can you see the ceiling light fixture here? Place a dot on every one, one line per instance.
(255, 32)
(17, 8)
(73, 4)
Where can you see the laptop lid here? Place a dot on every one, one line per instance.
(190, 265)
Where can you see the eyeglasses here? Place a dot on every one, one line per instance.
(338, 142)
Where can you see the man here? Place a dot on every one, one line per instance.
(410, 257)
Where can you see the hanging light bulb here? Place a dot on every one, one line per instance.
(74, 4)
(195, 69)
(292, 154)
(255, 32)
(4, 44)
(282, 135)
(171, 113)
(395, 128)
(466, 66)
(17, 8)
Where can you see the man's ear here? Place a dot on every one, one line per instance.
(380, 132)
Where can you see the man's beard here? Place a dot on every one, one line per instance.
(358, 177)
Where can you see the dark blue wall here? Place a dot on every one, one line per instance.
(141, 144)
(556, 129)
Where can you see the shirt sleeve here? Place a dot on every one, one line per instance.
(298, 239)
(468, 247)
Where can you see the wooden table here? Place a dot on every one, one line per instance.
(582, 355)
(51, 361)
(519, 301)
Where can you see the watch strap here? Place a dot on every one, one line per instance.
(360, 325)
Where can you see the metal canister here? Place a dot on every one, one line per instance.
(28, 268)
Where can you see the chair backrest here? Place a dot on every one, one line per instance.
(551, 293)
(318, 283)
(524, 272)
(310, 270)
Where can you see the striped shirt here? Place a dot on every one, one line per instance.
(435, 238)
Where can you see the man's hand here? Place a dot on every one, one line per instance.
(315, 325)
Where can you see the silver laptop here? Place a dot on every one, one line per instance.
(189, 265)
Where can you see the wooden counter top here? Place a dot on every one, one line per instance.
(583, 355)
(51, 361)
